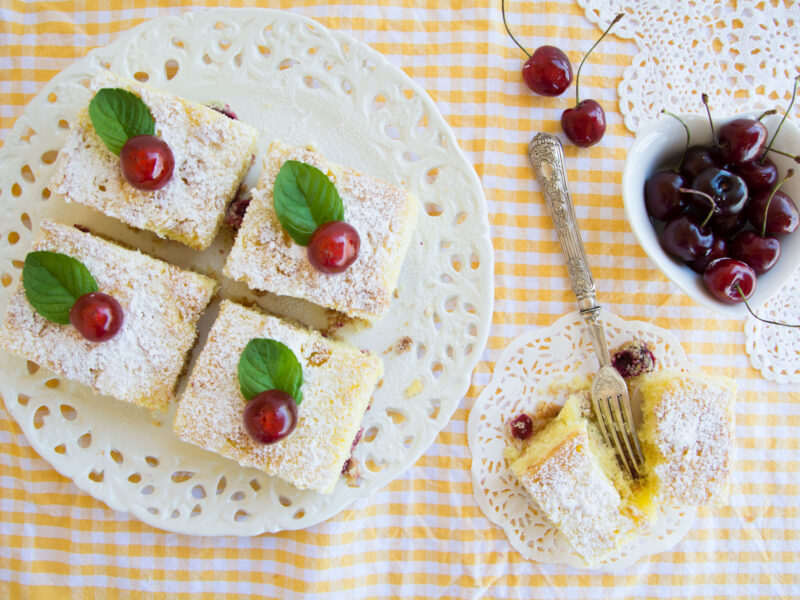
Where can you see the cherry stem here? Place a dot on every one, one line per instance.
(503, 10)
(747, 304)
(789, 173)
(786, 114)
(578, 73)
(704, 98)
(795, 158)
(707, 197)
(767, 113)
(688, 138)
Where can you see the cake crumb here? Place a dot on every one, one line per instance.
(415, 388)
(404, 344)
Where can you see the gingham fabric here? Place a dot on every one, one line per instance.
(423, 536)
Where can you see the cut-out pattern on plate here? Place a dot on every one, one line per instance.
(297, 81)
(522, 378)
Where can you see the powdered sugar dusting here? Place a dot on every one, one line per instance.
(212, 155)
(266, 258)
(161, 305)
(338, 381)
(694, 433)
(573, 491)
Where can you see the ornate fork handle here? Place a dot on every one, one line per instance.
(547, 159)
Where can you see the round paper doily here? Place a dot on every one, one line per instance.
(775, 350)
(297, 81)
(743, 57)
(522, 377)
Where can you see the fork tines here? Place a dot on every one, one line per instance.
(612, 408)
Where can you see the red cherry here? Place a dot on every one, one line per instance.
(760, 174)
(147, 162)
(633, 359)
(719, 249)
(782, 215)
(548, 71)
(97, 316)
(270, 416)
(742, 140)
(662, 196)
(333, 247)
(696, 160)
(685, 237)
(725, 276)
(521, 426)
(761, 253)
(584, 124)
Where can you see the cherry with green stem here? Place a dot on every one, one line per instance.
(585, 123)
(773, 211)
(662, 196)
(548, 71)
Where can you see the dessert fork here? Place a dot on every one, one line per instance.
(610, 399)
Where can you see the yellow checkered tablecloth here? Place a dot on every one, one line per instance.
(423, 536)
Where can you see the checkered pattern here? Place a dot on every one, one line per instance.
(423, 536)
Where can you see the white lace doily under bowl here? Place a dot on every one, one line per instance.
(294, 80)
(522, 378)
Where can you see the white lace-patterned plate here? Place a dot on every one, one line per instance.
(522, 377)
(295, 80)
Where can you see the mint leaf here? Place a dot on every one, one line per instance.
(53, 282)
(267, 364)
(304, 198)
(118, 115)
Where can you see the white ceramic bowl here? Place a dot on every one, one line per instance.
(664, 140)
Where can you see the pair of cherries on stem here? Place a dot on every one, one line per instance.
(548, 72)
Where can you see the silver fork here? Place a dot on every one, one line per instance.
(610, 400)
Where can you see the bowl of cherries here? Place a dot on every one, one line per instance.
(714, 204)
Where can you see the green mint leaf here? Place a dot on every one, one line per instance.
(118, 115)
(304, 198)
(53, 282)
(269, 365)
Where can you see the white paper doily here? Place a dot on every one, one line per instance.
(775, 350)
(744, 56)
(293, 79)
(521, 379)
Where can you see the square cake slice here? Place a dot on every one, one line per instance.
(687, 435)
(267, 259)
(578, 483)
(338, 381)
(161, 304)
(212, 156)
